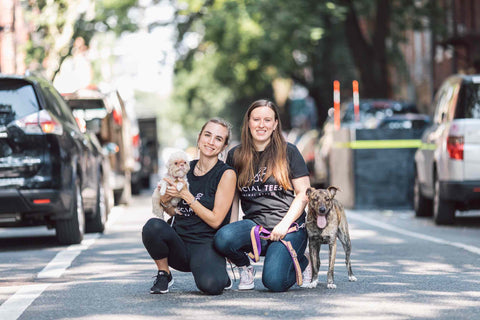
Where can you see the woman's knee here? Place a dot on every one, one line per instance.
(210, 285)
(152, 228)
(222, 240)
(274, 282)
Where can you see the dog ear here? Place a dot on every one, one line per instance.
(309, 191)
(332, 190)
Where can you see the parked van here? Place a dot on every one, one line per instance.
(106, 115)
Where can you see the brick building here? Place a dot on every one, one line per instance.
(431, 57)
(13, 37)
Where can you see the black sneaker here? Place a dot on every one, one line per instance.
(229, 284)
(162, 282)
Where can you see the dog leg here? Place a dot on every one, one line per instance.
(162, 185)
(314, 250)
(331, 263)
(180, 186)
(344, 237)
(157, 209)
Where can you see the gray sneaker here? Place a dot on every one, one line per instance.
(247, 277)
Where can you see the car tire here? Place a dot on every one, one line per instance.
(70, 231)
(422, 206)
(99, 219)
(443, 210)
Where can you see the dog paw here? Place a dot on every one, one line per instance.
(352, 278)
(331, 286)
(179, 186)
(310, 285)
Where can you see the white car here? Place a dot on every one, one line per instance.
(447, 176)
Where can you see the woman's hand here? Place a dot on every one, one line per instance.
(279, 232)
(172, 191)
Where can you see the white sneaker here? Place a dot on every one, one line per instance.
(307, 275)
(247, 276)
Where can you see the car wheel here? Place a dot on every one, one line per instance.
(98, 221)
(70, 231)
(443, 210)
(423, 206)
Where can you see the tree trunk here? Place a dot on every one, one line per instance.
(370, 58)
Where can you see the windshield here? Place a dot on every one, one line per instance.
(375, 110)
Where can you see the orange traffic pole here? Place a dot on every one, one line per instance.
(356, 100)
(336, 104)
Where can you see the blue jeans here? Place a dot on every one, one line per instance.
(233, 240)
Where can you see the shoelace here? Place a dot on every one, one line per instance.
(245, 272)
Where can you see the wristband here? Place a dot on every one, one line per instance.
(195, 199)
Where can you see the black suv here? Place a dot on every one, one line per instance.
(50, 173)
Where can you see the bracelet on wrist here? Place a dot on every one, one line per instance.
(195, 199)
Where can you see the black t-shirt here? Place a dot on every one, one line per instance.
(189, 226)
(267, 203)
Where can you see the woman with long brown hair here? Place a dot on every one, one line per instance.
(271, 184)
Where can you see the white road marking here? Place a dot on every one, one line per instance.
(16, 304)
(63, 259)
(359, 217)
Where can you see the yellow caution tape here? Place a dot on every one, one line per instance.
(380, 144)
(428, 146)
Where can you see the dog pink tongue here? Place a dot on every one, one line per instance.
(321, 221)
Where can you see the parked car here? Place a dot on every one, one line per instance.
(447, 176)
(49, 173)
(106, 115)
(405, 121)
(372, 113)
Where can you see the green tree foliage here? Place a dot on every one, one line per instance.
(59, 22)
(312, 42)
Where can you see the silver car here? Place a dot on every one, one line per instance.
(447, 164)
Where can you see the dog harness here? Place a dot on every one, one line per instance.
(259, 232)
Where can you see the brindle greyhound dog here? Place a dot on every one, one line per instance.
(326, 220)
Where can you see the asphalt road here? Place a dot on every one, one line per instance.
(407, 268)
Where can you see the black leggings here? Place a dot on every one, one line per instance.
(207, 265)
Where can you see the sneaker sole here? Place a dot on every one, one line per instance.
(164, 291)
(231, 284)
(246, 287)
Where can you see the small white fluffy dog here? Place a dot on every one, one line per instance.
(177, 169)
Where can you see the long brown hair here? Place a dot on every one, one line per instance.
(274, 157)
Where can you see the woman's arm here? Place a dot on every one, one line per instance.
(235, 208)
(223, 200)
(300, 185)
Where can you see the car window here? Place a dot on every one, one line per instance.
(469, 102)
(17, 100)
(51, 102)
